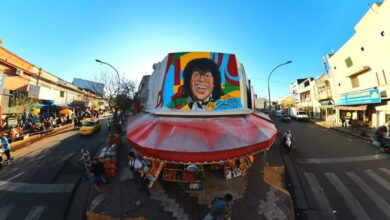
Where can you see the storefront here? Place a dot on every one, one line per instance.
(183, 149)
(359, 106)
(327, 110)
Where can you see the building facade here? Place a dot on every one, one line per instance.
(323, 95)
(361, 70)
(25, 87)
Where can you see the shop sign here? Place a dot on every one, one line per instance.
(327, 102)
(296, 99)
(33, 91)
(360, 97)
(12, 122)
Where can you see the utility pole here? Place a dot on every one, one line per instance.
(39, 75)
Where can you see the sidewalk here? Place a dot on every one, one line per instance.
(362, 132)
(259, 195)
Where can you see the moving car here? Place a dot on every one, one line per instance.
(302, 116)
(279, 113)
(286, 118)
(90, 127)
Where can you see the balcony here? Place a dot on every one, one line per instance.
(325, 94)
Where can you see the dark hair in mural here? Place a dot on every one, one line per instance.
(203, 65)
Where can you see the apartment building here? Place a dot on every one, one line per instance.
(361, 70)
(323, 95)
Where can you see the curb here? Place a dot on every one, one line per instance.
(356, 135)
(274, 179)
(342, 131)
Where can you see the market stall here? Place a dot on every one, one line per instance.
(198, 116)
(108, 156)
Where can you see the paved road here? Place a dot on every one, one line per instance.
(40, 181)
(336, 176)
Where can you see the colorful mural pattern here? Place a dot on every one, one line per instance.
(201, 81)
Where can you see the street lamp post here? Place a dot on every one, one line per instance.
(102, 62)
(269, 93)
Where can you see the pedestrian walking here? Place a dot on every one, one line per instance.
(109, 124)
(7, 147)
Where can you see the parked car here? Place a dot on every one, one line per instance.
(90, 127)
(286, 118)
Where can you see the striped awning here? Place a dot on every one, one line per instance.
(200, 140)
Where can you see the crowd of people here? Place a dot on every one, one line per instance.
(34, 123)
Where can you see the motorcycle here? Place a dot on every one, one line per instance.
(380, 142)
(382, 147)
(288, 143)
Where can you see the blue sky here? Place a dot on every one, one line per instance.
(65, 37)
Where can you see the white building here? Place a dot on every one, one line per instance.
(361, 69)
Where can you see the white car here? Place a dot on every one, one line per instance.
(301, 115)
(279, 113)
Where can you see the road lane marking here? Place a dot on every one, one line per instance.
(342, 159)
(126, 174)
(4, 212)
(349, 199)
(97, 200)
(379, 201)
(385, 170)
(378, 179)
(319, 195)
(35, 213)
(35, 188)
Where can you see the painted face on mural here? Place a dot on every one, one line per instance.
(202, 84)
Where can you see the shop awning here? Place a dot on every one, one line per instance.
(352, 107)
(199, 139)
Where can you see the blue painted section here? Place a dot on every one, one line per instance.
(360, 97)
(168, 86)
(222, 69)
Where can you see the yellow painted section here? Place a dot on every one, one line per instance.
(190, 56)
(274, 176)
(235, 94)
(102, 216)
(186, 108)
(176, 87)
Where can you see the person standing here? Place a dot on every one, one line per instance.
(135, 164)
(342, 121)
(7, 147)
(97, 170)
(221, 208)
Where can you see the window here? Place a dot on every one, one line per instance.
(354, 82)
(62, 93)
(348, 62)
(17, 98)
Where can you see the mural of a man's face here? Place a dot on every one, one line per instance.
(202, 84)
